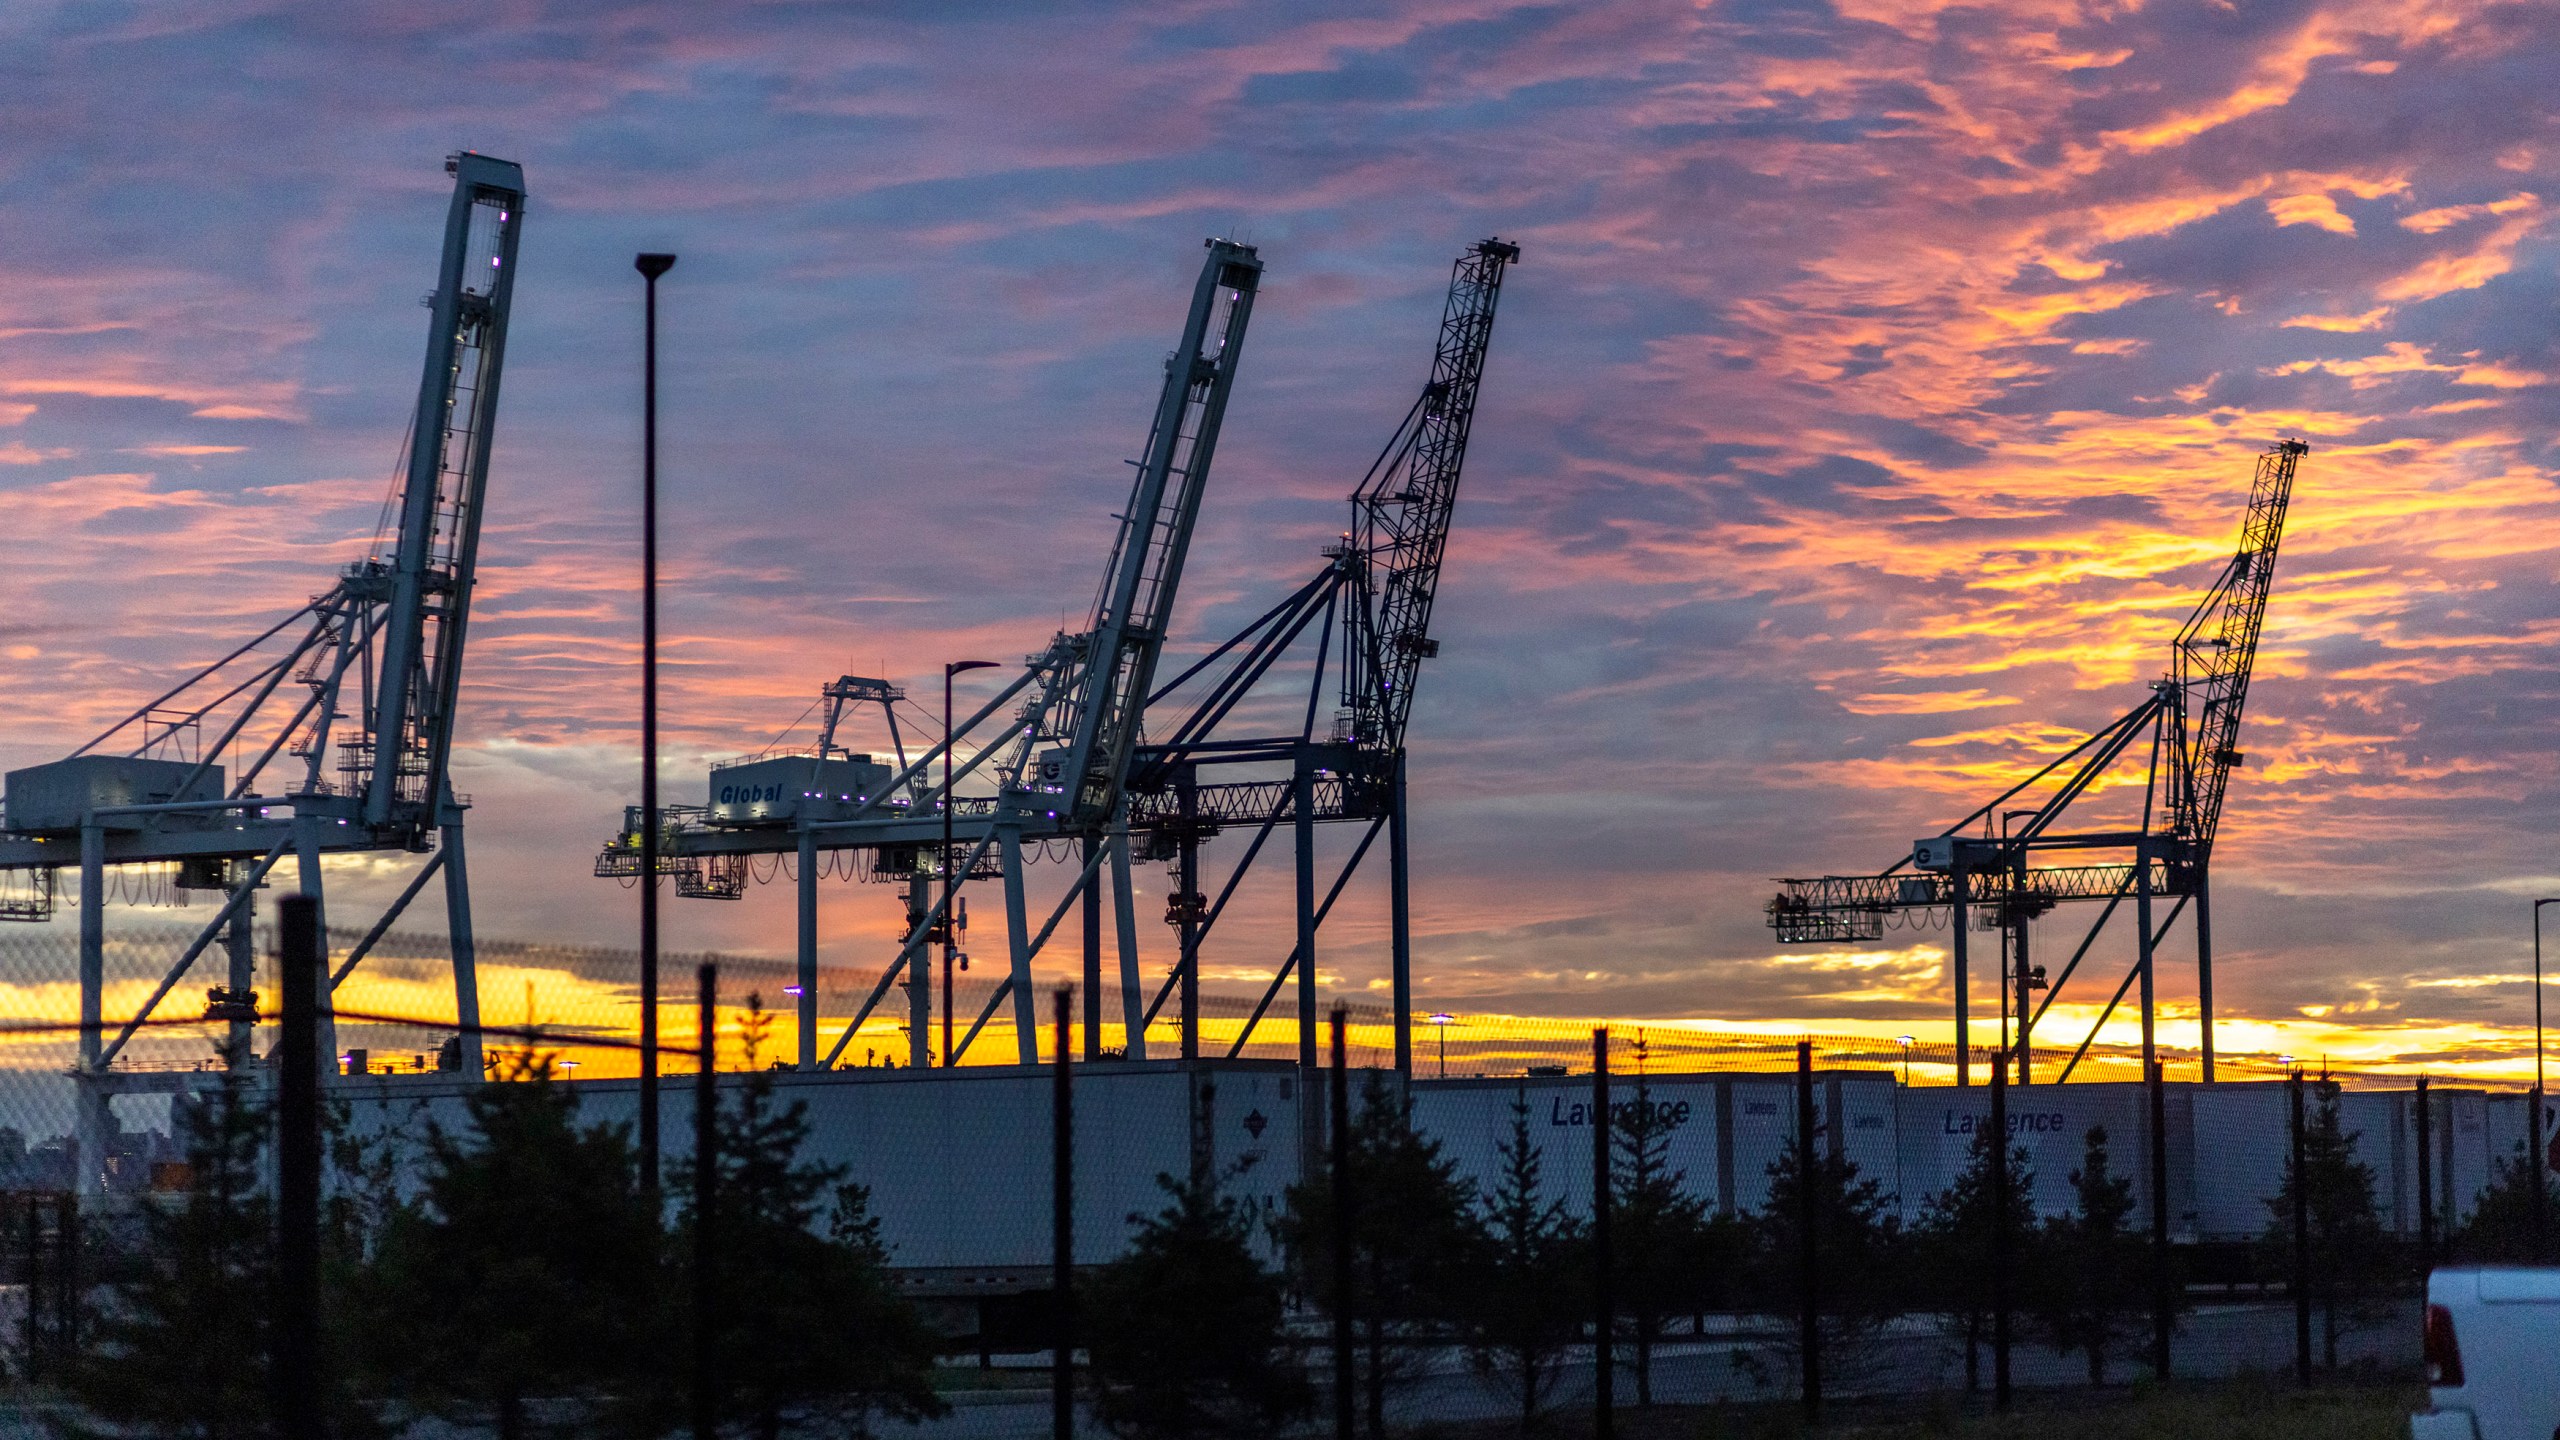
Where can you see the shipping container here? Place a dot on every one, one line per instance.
(958, 1161)
(1721, 1133)
(2050, 1123)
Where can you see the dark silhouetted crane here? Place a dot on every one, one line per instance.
(2191, 721)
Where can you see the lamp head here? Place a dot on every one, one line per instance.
(652, 265)
(956, 666)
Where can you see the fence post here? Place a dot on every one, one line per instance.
(2537, 1163)
(296, 1372)
(66, 1291)
(1604, 1303)
(32, 1325)
(2163, 1306)
(2000, 1233)
(2426, 1186)
(706, 1180)
(1809, 1247)
(1062, 1225)
(2301, 1243)
(1342, 1203)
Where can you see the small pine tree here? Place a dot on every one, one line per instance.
(1413, 1225)
(1666, 1251)
(2499, 1230)
(528, 1269)
(2090, 1285)
(2350, 1263)
(1860, 1245)
(811, 1332)
(183, 1346)
(1187, 1330)
(1528, 1292)
(1954, 1240)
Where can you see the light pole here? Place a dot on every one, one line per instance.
(650, 266)
(1906, 1042)
(950, 931)
(1442, 1020)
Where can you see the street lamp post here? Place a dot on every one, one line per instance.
(950, 929)
(1905, 1041)
(1442, 1020)
(650, 266)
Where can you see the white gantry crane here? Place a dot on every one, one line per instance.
(330, 732)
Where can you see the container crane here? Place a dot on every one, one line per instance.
(1379, 581)
(383, 645)
(2190, 720)
(1059, 758)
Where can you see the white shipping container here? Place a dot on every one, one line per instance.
(958, 1162)
(1722, 1132)
(2050, 1122)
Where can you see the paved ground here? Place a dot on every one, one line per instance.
(2217, 1341)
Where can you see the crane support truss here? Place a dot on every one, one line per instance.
(2188, 727)
(222, 777)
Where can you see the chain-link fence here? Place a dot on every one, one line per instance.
(1775, 1206)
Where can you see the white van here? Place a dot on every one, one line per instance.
(2493, 1355)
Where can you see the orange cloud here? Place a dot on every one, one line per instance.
(2318, 210)
(2469, 270)
(1925, 702)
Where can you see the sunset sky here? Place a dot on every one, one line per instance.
(1879, 385)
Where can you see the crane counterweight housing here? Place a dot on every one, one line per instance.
(782, 789)
(55, 798)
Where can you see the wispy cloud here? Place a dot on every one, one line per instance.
(1879, 386)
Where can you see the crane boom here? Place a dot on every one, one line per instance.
(428, 577)
(1402, 510)
(2217, 648)
(1101, 707)
(2210, 664)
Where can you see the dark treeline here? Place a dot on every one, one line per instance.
(514, 1275)
(1502, 1273)
(523, 1281)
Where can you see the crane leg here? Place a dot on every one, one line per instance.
(2026, 996)
(1092, 955)
(1187, 967)
(1400, 924)
(1964, 989)
(466, 950)
(1124, 907)
(1017, 929)
(2204, 964)
(918, 958)
(90, 1118)
(306, 859)
(805, 1014)
(1305, 820)
(240, 951)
